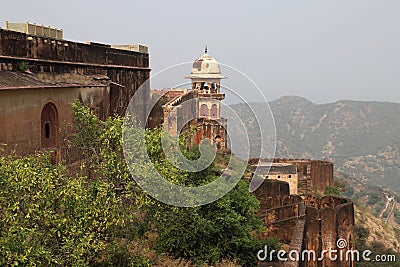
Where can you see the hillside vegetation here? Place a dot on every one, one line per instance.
(363, 141)
(361, 138)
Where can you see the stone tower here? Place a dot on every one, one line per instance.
(206, 80)
(198, 107)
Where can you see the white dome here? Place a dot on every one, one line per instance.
(206, 67)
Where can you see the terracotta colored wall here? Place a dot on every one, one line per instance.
(279, 210)
(128, 70)
(321, 175)
(20, 114)
(327, 220)
(312, 174)
(271, 193)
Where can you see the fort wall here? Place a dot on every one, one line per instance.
(127, 70)
(279, 210)
(329, 219)
(313, 175)
(308, 223)
(21, 111)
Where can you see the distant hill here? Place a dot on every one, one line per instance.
(361, 138)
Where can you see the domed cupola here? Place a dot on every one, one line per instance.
(206, 67)
(206, 71)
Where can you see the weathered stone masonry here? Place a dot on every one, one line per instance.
(59, 73)
(127, 70)
(308, 223)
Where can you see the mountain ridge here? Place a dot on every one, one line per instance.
(362, 138)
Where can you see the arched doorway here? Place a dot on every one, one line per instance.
(49, 130)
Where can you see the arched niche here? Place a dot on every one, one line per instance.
(49, 129)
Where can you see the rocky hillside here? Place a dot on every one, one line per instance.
(363, 141)
(361, 138)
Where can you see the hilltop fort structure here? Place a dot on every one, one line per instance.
(198, 108)
(288, 206)
(41, 74)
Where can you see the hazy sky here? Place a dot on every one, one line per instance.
(322, 50)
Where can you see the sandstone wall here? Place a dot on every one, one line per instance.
(327, 220)
(128, 70)
(313, 175)
(279, 210)
(20, 115)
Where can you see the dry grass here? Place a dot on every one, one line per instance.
(378, 229)
(145, 247)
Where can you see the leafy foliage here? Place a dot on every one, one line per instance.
(23, 66)
(52, 218)
(49, 218)
(338, 188)
(332, 191)
(223, 229)
(220, 230)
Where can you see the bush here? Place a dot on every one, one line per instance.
(220, 230)
(23, 66)
(373, 198)
(332, 191)
(49, 218)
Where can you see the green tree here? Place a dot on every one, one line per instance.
(224, 229)
(48, 218)
(332, 191)
(51, 218)
(339, 187)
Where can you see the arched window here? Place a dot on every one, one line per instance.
(214, 111)
(204, 112)
(49, 126)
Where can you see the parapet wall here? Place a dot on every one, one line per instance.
(30, 47)
(313, 175)
(279, 210)
(271, 193)
(321, 175)
(327, 220)
(127, 70)
(34, 29)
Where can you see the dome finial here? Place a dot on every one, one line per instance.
(205, 50)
